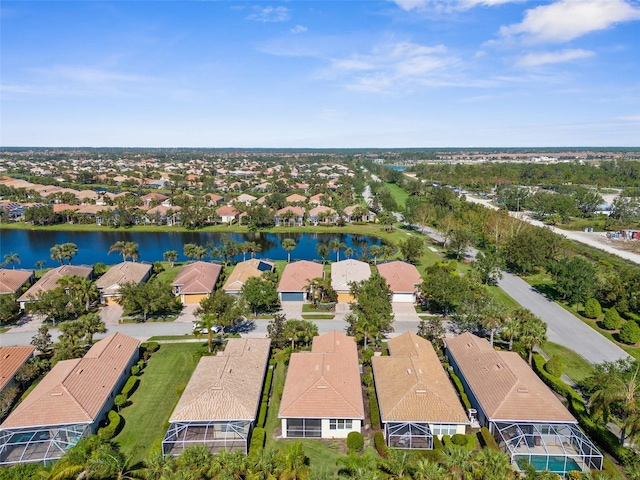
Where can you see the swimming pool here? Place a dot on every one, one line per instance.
(555, 464)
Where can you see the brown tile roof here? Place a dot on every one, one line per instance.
(296, 197)
(245, 270)
(226, 210)
(402, 277)
(227, 386)
(289, 208)
(124, 272)
(11, 359)
(321, 209)
(13, 280)
(75, 391)
(49, 280)
(347, 271)
(412, 386)
(296, 276)
(324, 383)
(503, 383)
(197, 277)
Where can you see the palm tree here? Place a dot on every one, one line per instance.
(532, 332)
(219, 309)
(323, 251)
(57, 253)
(170, 256)
(336, 245)
(12, 258)
(68, 251)
(92, 324)
(376, 251)
(289, 244)
(428, 470)
(254, 248)
(39, 264)
(194, 251)
(493, 315)
(348, 252)
(294, 462)
(120, 247)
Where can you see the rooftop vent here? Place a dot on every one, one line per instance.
(321, 386)
(421, 391)
(408, 371)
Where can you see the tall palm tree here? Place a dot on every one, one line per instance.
(119, 247)
(69, 250)
(12, 258)
(348, 252)
(336, 245)
(85, 291)
(289, 244)
(57, 253)
(493, 315)
(92, 324)
(39, 264)
(532, 332)
(170, 256)
(254, 248)
(376, 251)
(323, 251)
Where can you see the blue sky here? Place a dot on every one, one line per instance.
(404, 73)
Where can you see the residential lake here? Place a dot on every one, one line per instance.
(93, 247)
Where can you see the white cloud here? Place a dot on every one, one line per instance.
(542, 58)
(269, 14)
(449, 4)
(630, 118)
(298, 29)
(565, 20)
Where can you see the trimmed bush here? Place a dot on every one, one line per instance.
(554, 366)
(135, 370)
(630, 333)
(367, 380)
(460, 388)
(574, 475)
(487, 440)
(257, 441)
(446, 441)
(130, 386)
(116, 422)
(355, 442)
(150, 347)
(379, 443)
(592, 308)
(374, 411)
(437, 443)
(458, 439)
(612, 319)
(366, 356)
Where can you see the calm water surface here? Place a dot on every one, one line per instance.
(93, 247)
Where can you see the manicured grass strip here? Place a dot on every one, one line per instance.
(576, 367)
(277, 387)
(321, 316)
(174, 337)
(504, 298)
(146, 419)
(399, 195)
(169, 273)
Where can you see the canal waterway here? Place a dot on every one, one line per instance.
(93, 247)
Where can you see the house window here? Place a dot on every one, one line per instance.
(340, 424)
(445, 429)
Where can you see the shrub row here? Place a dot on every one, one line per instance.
(130, 386)
(374, 410)
(116, 422)
(257, 441)
(467, 442)
(264, 403)
(603, 437)
(463, 395)
(487, 440)
(380, 444)
(355, 442)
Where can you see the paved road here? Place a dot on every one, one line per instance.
(562, 327)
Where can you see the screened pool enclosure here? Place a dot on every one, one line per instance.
(39, 444)
(556, 447)
(216, 436)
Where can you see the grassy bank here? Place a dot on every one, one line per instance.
(576, 367)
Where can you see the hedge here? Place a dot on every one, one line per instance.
(463, 395)
(257, 441)
(599, 434)
(355, 442)
(437, 443)
(380, 444)
(150, 346)
(116, 422)
(463, 441)
(374, 411)
(487, 440)
(264, 403)
(130, 386)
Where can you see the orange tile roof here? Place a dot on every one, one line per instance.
(124, 272)
(49, 280)
(503, 383)
(227, 386)
(296, 276)
(75, 391)
(412, 386)
(324, 383)
(245, 270)
(11, 359)
(402, 277)
(13, 280)
(197, 277)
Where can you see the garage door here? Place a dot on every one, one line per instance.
(292, 296)
(403, 297)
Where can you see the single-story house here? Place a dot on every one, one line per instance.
(246, 199)
(358, 213)
(227, 214)
(219, 406)
(294, 283)
(523, 414)
(323, 214)
(49, 281)
(416, 398)
(196, 281)
(322, 395)
(289, 216)
(317, 199)
(12, 281)
(245, 270)
(68, 403)
(156, 198)
(11, 359)
(403, 279)
(345, 272)
(296, 198)
(161, 214)
(213, 199)
(126, 272)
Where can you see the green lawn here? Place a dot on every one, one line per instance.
(576, 367)
(318, 316)
(146, 418)
(504, 298)
(399, 195)
(169, 272)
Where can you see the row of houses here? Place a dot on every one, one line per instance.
(322, 398)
